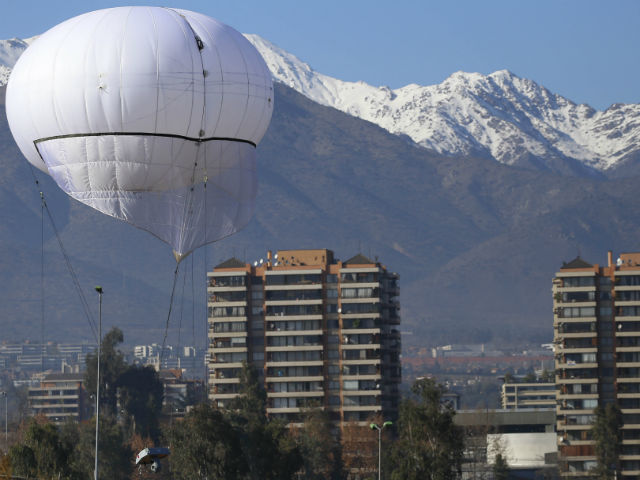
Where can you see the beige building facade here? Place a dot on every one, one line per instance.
(321, 332)
(597, 341)
(60, 397)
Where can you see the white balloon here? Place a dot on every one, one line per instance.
(149, 114)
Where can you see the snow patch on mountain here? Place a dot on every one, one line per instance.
(10, 51)
(499, 115)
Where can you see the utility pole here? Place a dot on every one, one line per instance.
(99, 290)
(6, 422)
(374, 426)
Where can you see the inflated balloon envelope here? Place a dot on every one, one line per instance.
(148, 114)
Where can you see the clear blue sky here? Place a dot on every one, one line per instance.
(585, 50)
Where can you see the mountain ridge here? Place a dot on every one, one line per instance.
(500, 116)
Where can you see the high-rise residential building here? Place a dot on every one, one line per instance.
(318, 330)
(597, 339)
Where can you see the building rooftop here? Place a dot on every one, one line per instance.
(576, 263)
(233, 262)
(359, 259)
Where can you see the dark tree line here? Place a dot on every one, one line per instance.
(240, 442)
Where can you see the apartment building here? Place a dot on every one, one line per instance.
(528, 395)
(320, 332)
(597, 338)
(60, 397)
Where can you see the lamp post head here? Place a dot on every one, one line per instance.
(373, 426)
(387, 424)
(98, 289)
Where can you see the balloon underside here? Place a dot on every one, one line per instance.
(132, 178)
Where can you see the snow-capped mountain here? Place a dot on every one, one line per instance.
(511, 119)
(10, 51)
(501, 116)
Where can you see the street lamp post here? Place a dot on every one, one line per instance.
(6, 421)
(99, 290)
(374, 426)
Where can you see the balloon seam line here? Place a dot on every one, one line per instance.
(133, 134)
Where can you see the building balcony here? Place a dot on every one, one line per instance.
(562, 426)
(272, 303)
(226, 289)
(361, 393)
(287, 318)
(375, 376)
(575, 303)
(360, 315)
(293, 348)
(629, 457)
(557, 319)
(297, 363)
(577, 396)
(217, 350)
(632, 349)
(294, 379)
(358, 361)
(45, 396)
(361, 346)
(574, 411)
(620, 379)
(235, 318)
(215, 381)
(297, 286)
(571, 365)
(628, 364)
(271, 410)
(560, 289)
(226, 303)
(218, 364)
(565, 351)
(312, 394)
(222, 396)
(283, 332)
(561, 335)
(362, 408)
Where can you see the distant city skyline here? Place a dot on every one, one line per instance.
(583, 50)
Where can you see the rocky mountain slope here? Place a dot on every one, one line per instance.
(476, 242)
(501, 116)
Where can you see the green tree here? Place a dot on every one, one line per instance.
(205, 445)
(41, 453)
(500, 468)
(140, 391)
(319, 446)
(430, 445)
(112, 365)
(115, 458)
(268, 448)
(607, 433)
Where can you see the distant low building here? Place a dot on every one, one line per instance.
(526, 439)
(60, 397)
(521, 396)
